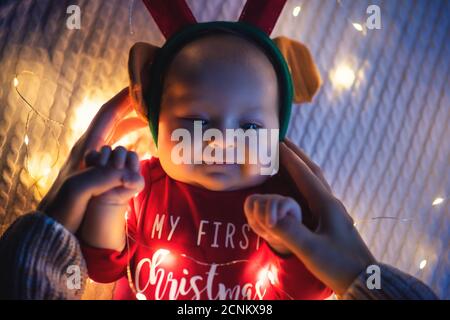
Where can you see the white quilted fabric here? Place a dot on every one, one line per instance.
(383, 142)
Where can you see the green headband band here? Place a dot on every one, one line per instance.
(174, 44)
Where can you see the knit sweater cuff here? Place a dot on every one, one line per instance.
(40, 259)
(394, 285)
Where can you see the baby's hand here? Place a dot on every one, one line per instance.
(126, 164)
(103, 226)
(264, 211)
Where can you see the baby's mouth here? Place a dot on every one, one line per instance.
(218, 167)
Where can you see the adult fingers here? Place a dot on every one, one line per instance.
(297, 237)
(321, 201)
(311, 164)
(97, 133)
(105, 120)
(126, 126)
(308, 184)
(95, 136)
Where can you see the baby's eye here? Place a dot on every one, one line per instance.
(249, 126)
(203, 121)
(193, 120)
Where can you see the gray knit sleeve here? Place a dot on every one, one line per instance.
(40, 259)
(394, 285)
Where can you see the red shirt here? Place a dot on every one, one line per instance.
(186, 242)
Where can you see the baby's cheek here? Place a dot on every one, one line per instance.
(251, 174)
(262, 158)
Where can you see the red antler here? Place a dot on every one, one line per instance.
(262, 13)
(170, 16)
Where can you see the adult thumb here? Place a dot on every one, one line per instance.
(296, 237)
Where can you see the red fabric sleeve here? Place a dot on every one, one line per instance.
(104, 265)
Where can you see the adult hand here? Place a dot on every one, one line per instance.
(67, 198)
(335, 252)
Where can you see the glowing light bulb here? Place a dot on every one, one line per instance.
(268, 273)
(437, 201)
(164, 252)
(296, 11)
(140, 296)
(167, 258)
(271, 277)
(15, 82)
(422, 264)
(26, 140)
(358, 27)
(343, 77)
(262, 275)
(273, 274)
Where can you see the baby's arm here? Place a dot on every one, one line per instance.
(104, 222)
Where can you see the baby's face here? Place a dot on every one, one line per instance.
(224, 82)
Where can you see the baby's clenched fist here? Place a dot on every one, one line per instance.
(264, 211)
(122, 165)
(103, 226)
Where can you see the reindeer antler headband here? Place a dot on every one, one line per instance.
(297, 74)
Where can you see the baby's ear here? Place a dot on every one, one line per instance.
(305, 74)
(139, 63)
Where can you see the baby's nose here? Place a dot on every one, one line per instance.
(221, 143)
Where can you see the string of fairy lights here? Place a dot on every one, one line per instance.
(267, 274)
(130, 16)
(26, 140)
(342, 78)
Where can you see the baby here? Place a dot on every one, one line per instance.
(201, 231)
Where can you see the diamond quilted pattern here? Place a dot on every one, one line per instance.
(382, 142)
